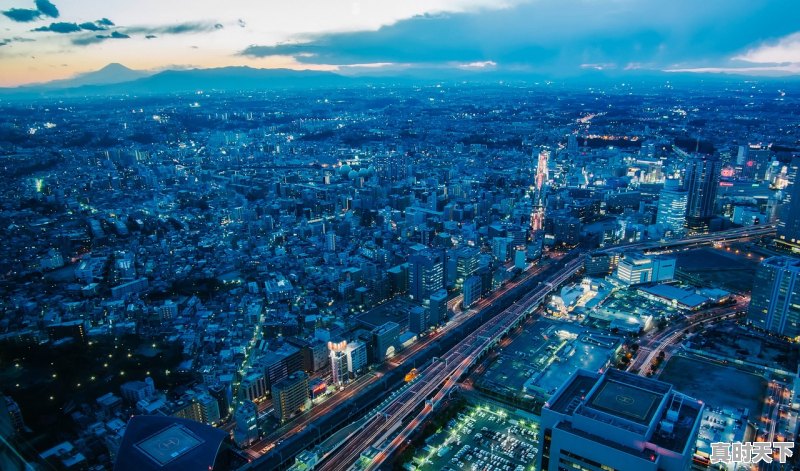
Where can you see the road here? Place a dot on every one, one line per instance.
(437, 380)
(352, 390)
(668, 339)
(721, 237)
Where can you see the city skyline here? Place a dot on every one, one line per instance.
(440, 235)
(377, 38)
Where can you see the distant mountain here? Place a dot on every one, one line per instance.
(232, 78)
(116, 79)
(110, 74)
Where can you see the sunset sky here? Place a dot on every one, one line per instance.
(42, 40)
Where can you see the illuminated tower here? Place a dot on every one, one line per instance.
(539, 188)
(701, 182)
(789, 220)
(338, 353)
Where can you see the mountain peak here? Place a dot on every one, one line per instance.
(115, 66)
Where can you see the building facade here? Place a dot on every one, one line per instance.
(618, 421)
(671, 213)
(701, 183)
(775, 299)
(290, 395)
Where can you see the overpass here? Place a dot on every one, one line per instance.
(721, 237)
(437, 380)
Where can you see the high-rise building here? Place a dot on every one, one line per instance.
(672, 209)
(356, 357)
(618, 421)
(472, 290)
(200, 407)
(290, 395)
(417, 319)
(222, 393)
(207, 409)
(425, 274)
(637, 268)
(246, 431)
(467, 262)
(600, 264)
(338, 356)
(330, 242)
(775, 300)
(437, 307)
(701, 183)
(253, 387)
(572, 144)
(789, 214)
(500, 248)
(384, 341)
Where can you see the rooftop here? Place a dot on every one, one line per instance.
(161, 443)
(626, 401)
(169, 444)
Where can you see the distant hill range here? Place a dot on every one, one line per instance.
(108, 75)
(116, 79)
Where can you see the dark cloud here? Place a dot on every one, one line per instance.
(180, 28)
(47, 8)
(22, 15)
(105, 22)
(540, 36)
(87, 40)
(98, 38)
(16, 39)
(150, 36)
(89, 26)
(60, 27)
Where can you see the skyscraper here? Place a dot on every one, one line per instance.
(701, 182)
(789, 214)
(672, 208)
(775, 300)
(425, 275)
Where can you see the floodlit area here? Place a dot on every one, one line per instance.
(481, 438)
(626, 310)
(536, 362)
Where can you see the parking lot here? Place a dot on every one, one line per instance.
(481, 438)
